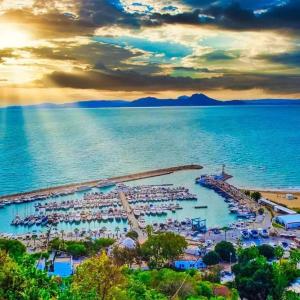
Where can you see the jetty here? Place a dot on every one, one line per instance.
(134, 224)
(75, 187)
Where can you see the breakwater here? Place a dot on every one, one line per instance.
(73, 187)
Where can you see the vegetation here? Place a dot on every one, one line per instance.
(163, 248)
(109, 277)
(211, 258)
(258, 279)
(261, 211)
(267, 251)
(255, 196)
(226, 251)
(77, 248)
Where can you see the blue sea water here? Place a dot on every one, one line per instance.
(260, 146)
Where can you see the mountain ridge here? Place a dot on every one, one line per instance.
(198, 99)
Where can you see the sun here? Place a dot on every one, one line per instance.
(12, 36)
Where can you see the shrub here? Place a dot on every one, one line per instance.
(226, 251)
(211, 258)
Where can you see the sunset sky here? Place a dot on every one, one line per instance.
(69, 50)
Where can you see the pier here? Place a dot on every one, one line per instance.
(134, 224)
(74, 187)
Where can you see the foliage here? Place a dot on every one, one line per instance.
(13, 247)
(132, 234)
(247, 193)
(226, 251)
(23, 281)
(256, 196)
(211, 258)
(267, 251)
(126, 256)
(261, 211)
(163, 248)
(255, 278)
(245, 255)
(278, 252)
(98, 278)
(78, 248)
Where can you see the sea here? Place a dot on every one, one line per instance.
(39, 148)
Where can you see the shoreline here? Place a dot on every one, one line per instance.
(278, 196)
(93, 183)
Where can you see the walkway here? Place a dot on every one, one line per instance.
(134, 224)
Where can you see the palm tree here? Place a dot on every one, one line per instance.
(149, 230)
(117, 230)
(225, 229)
(76, 230)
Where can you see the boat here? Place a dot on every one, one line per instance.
(245, 234)
(264, 233)
(254, 233)
(142, 223)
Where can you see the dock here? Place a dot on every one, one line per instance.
(94, 183)
(132, 220)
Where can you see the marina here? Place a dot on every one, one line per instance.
(162, 202)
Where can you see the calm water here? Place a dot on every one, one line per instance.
(259, 145)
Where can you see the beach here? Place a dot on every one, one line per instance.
(279, 196)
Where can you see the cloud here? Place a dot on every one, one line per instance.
(291, 59)
(132, 81)
(236, 17)
(7, 53)
(221, 55)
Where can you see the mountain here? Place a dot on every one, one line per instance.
(194, 100)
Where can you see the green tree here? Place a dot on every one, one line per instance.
(13, 247)
(267, 251)
(76, 249)
(248, 254)
(211, 258)
(163, 248)
(256, 196)
(98, 278)
(132, 234)
(226, 251)
(127, 256)
(278, 252)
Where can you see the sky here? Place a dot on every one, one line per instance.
(68, 50)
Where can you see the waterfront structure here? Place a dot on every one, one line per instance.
(188, 263)
(291, 221)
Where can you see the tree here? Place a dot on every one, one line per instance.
(247, 193)
(76, 249)
(98, 278)
(278, 252)
(267, 251)
(256, 196)
(261, 211)
(163, 248)
(132, 234)
(13, 247)
(123, 255)
(211, 258)
(226, 251)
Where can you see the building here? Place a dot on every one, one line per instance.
(289, 196)
(291, 221)
(188, 262)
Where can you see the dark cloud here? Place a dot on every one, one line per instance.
(291, 59)
(132, 81)
(235, 17)
(48, 25)
(105, 12)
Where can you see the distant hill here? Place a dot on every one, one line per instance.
(194, 100)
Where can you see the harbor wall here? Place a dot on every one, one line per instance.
(118, 179)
